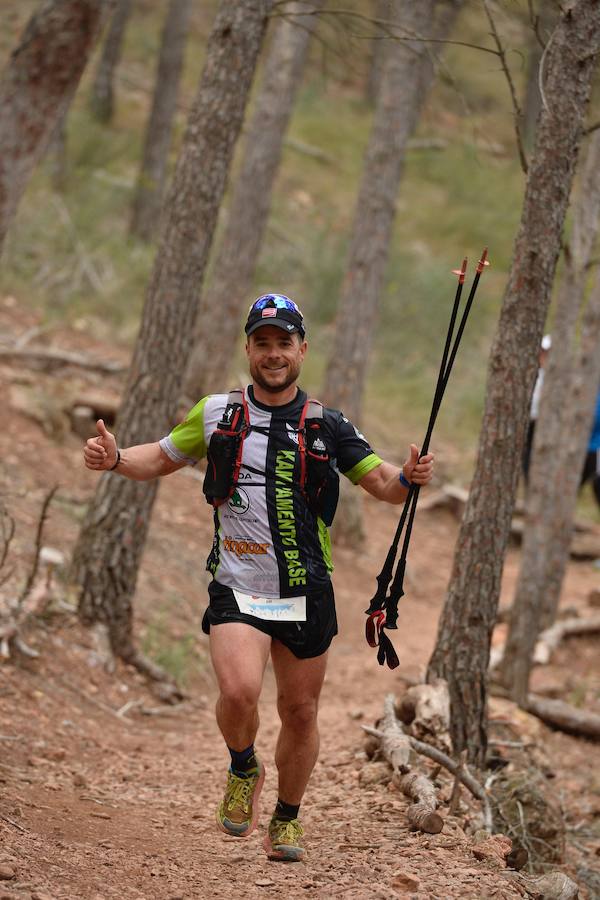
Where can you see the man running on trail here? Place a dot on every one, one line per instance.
(272, 478)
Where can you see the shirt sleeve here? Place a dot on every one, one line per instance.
(187, 441)
(353, 452)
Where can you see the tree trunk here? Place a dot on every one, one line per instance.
(382, 9)
(148, 199)
(37, 87)
(461, 653)
(552, 497)
(407, 75)
(231, 281)
(102, 96)
(112, 539)
(57, 156)
(532, 101)
(407, 72)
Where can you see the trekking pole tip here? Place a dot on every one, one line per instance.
(484, 261)
(461, 272)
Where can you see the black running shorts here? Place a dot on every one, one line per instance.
(304, 639)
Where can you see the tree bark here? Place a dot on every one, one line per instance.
(461, 653)
(554, 481)
(532, 101)
(111, 542)
(37, 87)
(231, 281)
(407, 74)
(382, 9)
(102, 96)
(148, 199)
(57, 156)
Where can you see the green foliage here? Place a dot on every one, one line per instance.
(70, 256)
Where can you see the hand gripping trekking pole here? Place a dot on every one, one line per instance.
(383, 609)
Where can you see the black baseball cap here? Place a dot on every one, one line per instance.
(275, 309)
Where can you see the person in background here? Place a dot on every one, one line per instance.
(535, 403)
(591, 468)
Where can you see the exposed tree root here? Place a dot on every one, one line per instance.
(564, 716)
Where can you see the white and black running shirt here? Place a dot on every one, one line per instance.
(267, 541)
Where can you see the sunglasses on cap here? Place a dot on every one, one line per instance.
(277, 301)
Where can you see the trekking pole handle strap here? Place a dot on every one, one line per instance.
(404, 481)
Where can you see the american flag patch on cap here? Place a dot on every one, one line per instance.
(269, 311)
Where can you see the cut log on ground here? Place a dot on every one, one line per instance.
(552, 886)
(563, 716)
(397, 746)
(550, 638)
(47, 360)
(461, 772)
(426, 709)
(421, 814)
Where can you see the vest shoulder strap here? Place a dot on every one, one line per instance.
(314, 409)
(235, 396)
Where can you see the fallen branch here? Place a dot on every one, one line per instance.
(461, 772)
(31, 601)
(89, 699)
(309, 150)
(395, 744)
(7, 533)
(38, 545)
(12, 822)
(176, 710)
(549, 639)
(455, 795)
(563, 716)
(52, 359)
(421, 814)
(391, 727)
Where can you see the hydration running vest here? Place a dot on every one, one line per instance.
(318, 480)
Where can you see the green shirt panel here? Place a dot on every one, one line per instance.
(188, 437)
(361, 468)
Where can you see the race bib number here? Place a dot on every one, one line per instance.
(284, 609)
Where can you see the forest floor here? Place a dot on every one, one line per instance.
(102, 797)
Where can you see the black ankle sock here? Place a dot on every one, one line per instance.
(242, 761)
(286, 811)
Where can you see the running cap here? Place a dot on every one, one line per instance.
(546, 342)
(275, 309)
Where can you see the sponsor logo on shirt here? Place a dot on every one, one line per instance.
(244, 547)
(286, 520)
(239, 502)
(291, 432)
(356, 431)
(319, 445)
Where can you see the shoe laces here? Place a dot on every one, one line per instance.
(286, 832)
(239, 791)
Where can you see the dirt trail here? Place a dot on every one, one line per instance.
(98, 805)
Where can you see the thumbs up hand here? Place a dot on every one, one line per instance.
(100, 452)
(419, 471)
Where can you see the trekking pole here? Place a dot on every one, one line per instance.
(385, 576)
(378, 619)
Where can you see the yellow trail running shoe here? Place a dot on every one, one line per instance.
(282, 841)
(238, 811)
